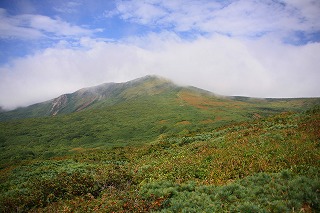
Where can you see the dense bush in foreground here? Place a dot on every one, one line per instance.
(279, 192)
(262, 192)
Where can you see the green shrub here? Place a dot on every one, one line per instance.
(279, 192)
(40, 192)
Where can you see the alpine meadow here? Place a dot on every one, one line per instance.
(149, 145)
(161, 106)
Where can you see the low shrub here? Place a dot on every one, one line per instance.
(262, 192)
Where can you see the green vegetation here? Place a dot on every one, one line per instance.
(280, 192)
(267, 165)
(134, 115)
(178, 150)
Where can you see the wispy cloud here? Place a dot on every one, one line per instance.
(68, 7)
(29, 26)
(233, 18)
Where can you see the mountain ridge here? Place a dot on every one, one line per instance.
(109, 94)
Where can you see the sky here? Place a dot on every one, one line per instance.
(265, 48)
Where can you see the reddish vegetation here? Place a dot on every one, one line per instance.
(208, 121)
(183, 123)
(79, 149)
(256, 116)
(312, 126)
(206, 103)
(219, 118)
(162, 121)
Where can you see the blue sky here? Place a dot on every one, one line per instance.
(268, 48)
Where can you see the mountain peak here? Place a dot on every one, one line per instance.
(151, 78)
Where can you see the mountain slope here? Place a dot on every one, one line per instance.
(102, 95)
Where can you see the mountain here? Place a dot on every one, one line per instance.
(110, 94)
(134, 112)
(106, 94)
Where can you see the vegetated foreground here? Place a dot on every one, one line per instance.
(271, 164)
(150, 145)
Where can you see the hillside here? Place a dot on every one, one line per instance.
(151, 145)
(92, 97)
(267, 165)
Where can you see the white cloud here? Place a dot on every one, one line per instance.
(12, 27)
(236, 18)
(56, 26)
(29, 26)
(224, 65)
(308, 9)
(68, 7)
(140, 12)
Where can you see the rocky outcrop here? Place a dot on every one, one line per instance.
(58, 104)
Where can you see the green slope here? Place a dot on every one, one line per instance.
(99, 96)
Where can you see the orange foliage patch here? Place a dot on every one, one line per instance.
(81, 149)
(184, 123)
(208, 121)
(219, 118)
(203, 102)
(162, 121)
(196, 101)
(78, 149)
